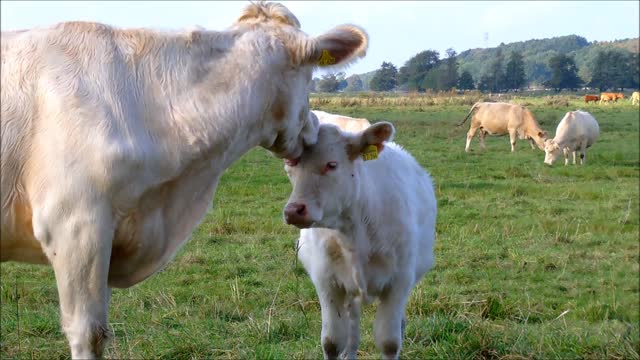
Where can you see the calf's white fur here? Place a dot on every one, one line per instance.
(368, 231)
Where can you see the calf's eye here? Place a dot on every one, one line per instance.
(332, 165)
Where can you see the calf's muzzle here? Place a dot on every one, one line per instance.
(296, 214)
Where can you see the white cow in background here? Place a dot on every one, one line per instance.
(576, 132)
(113, 141)
(368, 231)
(346, 123)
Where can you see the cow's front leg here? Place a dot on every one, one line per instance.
(513, 136)
(532, 143)
(389, 323)
(77, 238)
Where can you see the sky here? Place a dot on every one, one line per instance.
(397, 29)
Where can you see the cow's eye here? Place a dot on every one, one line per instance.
(332, 165)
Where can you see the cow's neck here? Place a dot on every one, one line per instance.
(210, 111)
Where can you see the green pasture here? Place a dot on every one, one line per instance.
(531, 261)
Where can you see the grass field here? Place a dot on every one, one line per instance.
(531, 261)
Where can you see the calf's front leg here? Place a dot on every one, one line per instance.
(335, 324)
(388, 328)
(354, 305)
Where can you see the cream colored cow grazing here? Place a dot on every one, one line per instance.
(113, 141)
(635, 98)
(502, 119)
(345, 123)
(577, 131)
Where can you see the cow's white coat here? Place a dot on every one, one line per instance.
(113, 141)
(576, 132)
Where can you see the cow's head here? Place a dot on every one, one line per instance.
(540, 138)
(287, 58)
(552, 151)
(326, 178)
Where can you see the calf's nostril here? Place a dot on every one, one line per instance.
(301, 209)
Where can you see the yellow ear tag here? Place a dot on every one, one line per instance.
(326, 58)
(370, 153)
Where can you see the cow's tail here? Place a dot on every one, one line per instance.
(469, 114)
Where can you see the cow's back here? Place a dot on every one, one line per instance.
(577, 127)
(498, 118)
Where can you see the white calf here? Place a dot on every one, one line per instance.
(384, 211)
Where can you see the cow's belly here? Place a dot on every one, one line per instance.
(494, 129)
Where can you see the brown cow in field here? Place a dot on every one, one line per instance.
(502, 119)
(608, 97)
(588, 98)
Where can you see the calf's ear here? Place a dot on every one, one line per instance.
(542, 134)
(374, 135)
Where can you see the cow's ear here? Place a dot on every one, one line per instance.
(338, 47)
(363, 144)
(310, 129)
(542, 134)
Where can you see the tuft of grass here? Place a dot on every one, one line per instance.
(531, 261)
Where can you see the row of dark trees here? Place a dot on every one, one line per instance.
(337, 82)
(610, 70)
(500, 77)
(426, 70)
(615, 69)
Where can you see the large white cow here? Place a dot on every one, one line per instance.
(113, 141)
(577, 131)
(368, 231)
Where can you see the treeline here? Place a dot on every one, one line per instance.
(512, 67)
